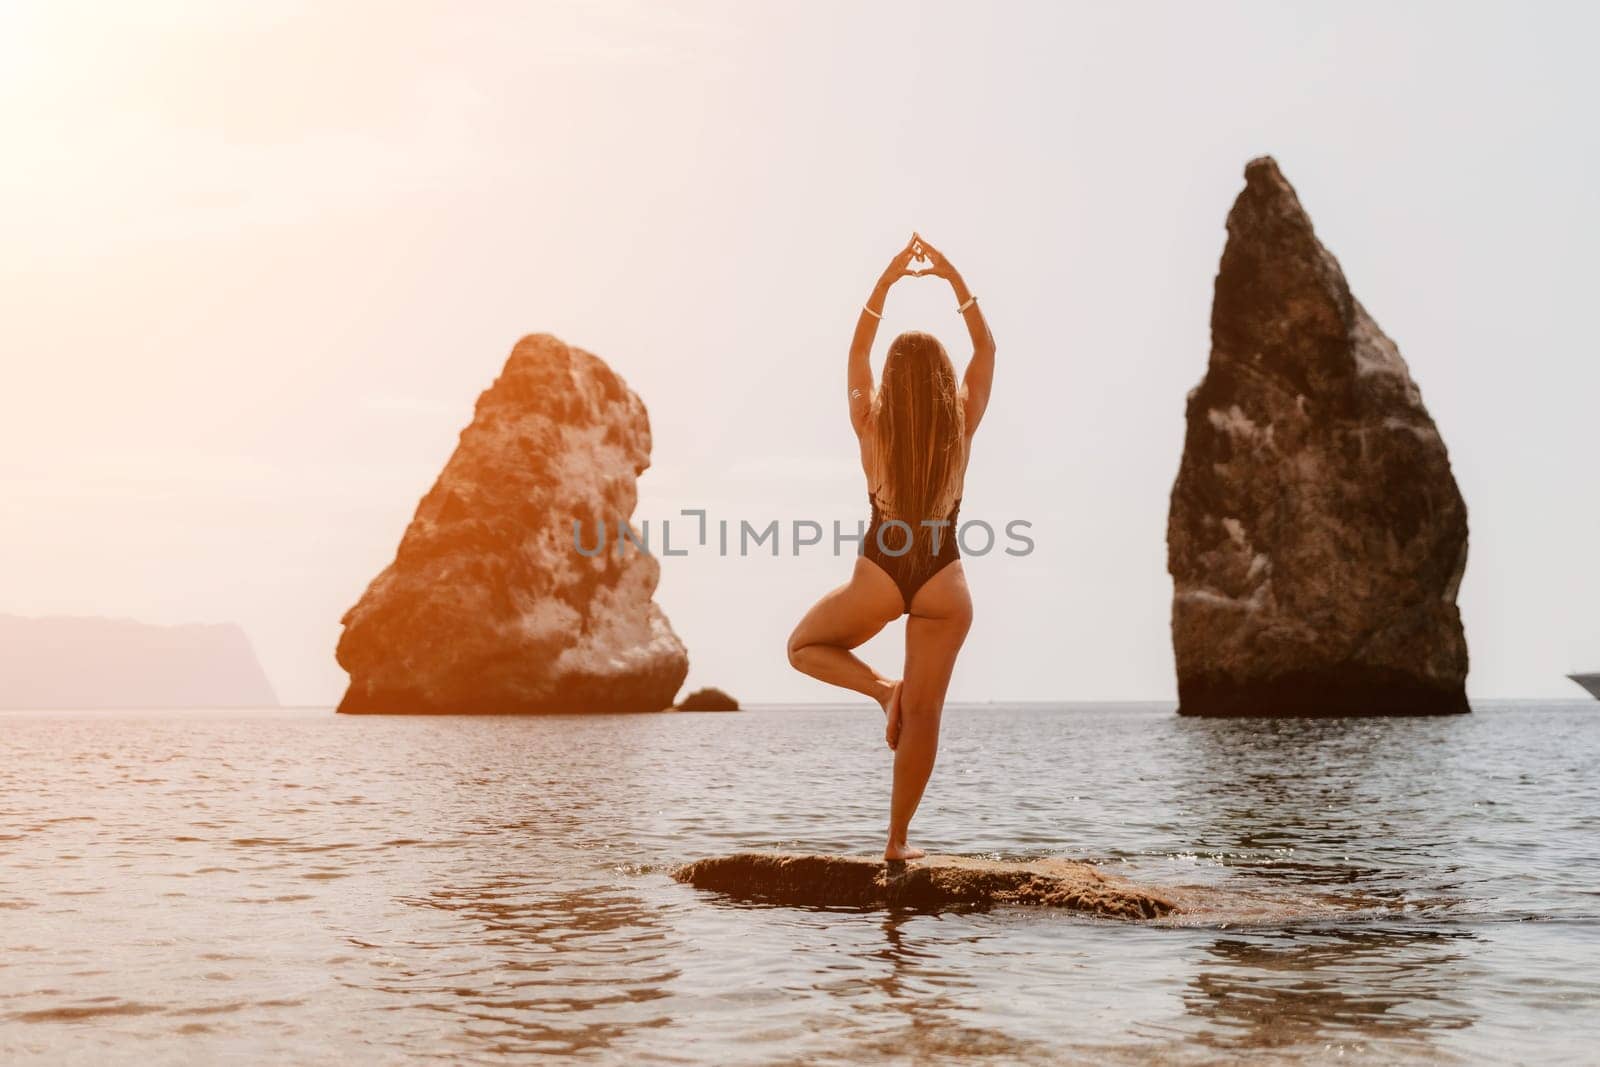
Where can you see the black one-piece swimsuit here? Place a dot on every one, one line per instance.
(908, 574)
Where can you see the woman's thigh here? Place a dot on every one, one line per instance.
(853, 613)
(941, 615)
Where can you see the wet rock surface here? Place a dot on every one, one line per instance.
(933, 883)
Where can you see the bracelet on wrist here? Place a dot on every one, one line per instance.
(971, 302)
(868, 309)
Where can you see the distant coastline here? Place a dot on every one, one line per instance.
(63, 662)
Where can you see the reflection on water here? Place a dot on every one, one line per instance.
(546, 973)
(1288, 797)
(1363, 988)
(292, 886)
(916, 1004)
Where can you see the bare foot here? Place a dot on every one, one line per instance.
(902, 851)
(891, 713)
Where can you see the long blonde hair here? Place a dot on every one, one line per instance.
(920, 434)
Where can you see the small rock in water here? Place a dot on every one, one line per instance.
(707, 699)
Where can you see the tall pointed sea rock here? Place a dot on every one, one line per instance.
(489, 607)
(1316, 538)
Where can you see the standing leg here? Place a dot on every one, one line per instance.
(844, 619)
(941, 614)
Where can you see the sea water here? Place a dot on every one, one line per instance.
(296, 886)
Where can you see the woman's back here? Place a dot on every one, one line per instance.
(880, 477)
(914, 439)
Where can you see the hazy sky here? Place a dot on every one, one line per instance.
(259, 260)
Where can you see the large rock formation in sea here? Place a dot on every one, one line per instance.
(87, 662)
(489, 606)
(1316, 537)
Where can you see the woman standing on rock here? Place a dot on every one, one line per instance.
(915, 433)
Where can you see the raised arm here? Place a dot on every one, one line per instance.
(859, 373)
(979, 379)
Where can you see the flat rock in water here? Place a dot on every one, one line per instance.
(933, 883)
